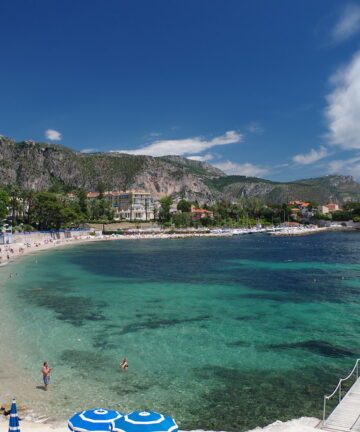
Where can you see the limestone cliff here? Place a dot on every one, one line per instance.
(39, 166)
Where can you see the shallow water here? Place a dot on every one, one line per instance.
(223, 334)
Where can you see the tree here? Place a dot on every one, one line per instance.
(352, 207)
(323, 216)
(49, 212)
(15, 203)
(184, 206)
(254, 207)
(206, 221)
(164, 212)
(82, 198)
(4, 202)
(313, 205)
(181, 220)
(101, 188)
(68, 215)
(28, 197)
(341, 215)
(100, 209)
(155, 212)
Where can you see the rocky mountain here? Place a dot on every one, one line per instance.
(39, 166)
(332, 188)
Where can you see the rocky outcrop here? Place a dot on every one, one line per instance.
(5, 408)
(335, 188)
(39, 166)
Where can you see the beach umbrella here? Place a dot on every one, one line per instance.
(96, 420)
(14, 419)
(145, 421)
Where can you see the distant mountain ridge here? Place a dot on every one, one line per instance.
(332, 188)
(39, 166)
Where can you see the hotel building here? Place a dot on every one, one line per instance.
(128, 205)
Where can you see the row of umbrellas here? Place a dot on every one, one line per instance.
(102, 420)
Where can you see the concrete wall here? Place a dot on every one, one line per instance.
(33, 237)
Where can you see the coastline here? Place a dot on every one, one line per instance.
(303, 424)
(13, 251)
(10, 252)
(35, 423)
(299, 231)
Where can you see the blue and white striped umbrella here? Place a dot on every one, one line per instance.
(97, 420)
(145, 421)
(14, 419)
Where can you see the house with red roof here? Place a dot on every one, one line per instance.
(197, 214)
(329, 208)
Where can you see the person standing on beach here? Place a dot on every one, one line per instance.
(46, 369)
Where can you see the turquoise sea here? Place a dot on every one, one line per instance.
(222, 333)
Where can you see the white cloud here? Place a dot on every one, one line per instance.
(246, 169)
(89, 150)
(53, 135)
(346, 166)
(311, 157)
(343, 110)
(184, 146)
(155, 134)
(348, 24)
(204, 158)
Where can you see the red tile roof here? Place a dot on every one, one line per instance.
(200, 211)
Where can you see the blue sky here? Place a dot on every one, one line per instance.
(269, 88)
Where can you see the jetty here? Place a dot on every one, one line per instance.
(346, 416)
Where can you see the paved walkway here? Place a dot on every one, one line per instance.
(346, 416)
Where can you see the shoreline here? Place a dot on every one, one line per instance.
(40, 423)
(13, 251)
(289, 232)
(302, 424)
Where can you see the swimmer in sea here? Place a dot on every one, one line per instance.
(124, 364)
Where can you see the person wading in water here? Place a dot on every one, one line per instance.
(124, 364)
(46, 374)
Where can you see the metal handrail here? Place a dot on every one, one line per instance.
(338, 387)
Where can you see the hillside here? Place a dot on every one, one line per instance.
(41, 165)
(334, 188)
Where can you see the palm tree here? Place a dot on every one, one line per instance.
(15, 203)
(28, 197)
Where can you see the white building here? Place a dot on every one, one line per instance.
(129, 205)
(329, 208)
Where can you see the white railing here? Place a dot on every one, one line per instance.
(338, 387)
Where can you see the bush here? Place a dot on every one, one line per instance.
(181, 220)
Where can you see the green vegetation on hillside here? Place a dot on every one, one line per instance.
(41, 166)
(323, 189)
